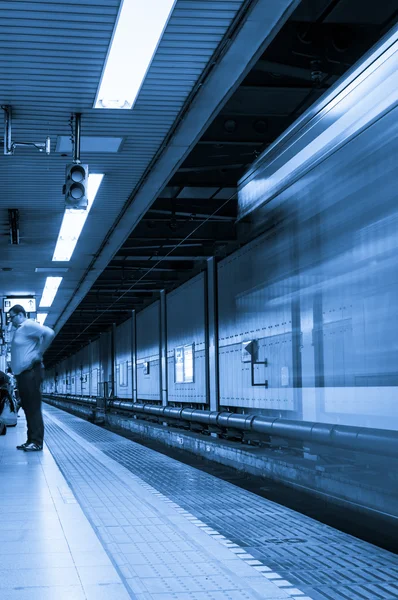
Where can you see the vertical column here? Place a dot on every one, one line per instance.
(101, 372)
(90, 367)
(297, 379)
(102, 395)
(113, 359)
(104, 352)
(81, 379)
(163, 348)
(294, 241)
(319, 355)
(134, 356)
(313, 350)
(212, 372)
(318, 340)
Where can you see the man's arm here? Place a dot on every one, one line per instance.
(44, 335)
(47, 338)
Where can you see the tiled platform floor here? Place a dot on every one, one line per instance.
(48, 549)
(128, 522)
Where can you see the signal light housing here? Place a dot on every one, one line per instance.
(76, 183)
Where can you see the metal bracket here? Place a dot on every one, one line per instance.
(265, 363)
(9, 145)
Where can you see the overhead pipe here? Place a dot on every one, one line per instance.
(76, 141)
(357, 439)
(73, 399)
(347, 437)
(7, 130)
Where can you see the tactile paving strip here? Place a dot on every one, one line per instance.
(158, 553)
(306, 556)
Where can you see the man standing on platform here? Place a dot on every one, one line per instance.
(29, 343)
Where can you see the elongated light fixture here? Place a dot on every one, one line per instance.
(138, 30)
(73, 222)
(50, 289)
(41, 317)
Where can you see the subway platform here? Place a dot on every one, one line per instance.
(98, 516)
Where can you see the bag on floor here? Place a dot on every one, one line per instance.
(3, 428)
(8, 414)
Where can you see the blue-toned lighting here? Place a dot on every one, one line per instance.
(50, 289)
(73, 222)
(137, 33)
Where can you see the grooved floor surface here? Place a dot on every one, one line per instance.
(163, 530)
(48, 548)
(319, 561)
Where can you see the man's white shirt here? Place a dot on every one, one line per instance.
(25, 345)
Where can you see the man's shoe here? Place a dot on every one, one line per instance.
(32, 447)
(22, 446)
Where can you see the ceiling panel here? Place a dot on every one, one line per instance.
(315, 46)
(52, 55)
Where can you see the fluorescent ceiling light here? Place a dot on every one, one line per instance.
(41, 317)
(51, 270)
(139, 28)
(89, 144)
(50, 289)
(73, 222)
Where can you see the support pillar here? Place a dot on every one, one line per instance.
(163, 348)
(90, 368)
(134, 356)
(113, 359)
(212, 371)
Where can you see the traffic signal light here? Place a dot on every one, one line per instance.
(76, 184)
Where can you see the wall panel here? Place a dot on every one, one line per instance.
(317, 291)
(250, 308)
(86, 366)
(148, 342)
(323, 278)
(95, 367)
(123, 360)
(186, 325)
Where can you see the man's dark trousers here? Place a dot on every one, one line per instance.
(29, 384)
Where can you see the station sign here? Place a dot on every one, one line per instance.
(29, 304)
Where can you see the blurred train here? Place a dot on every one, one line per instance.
(307, 311)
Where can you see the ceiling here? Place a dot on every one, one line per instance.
(52, 56)
(52, 62)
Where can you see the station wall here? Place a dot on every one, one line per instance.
(316, 293)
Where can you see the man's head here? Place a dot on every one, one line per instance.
(17, 315)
